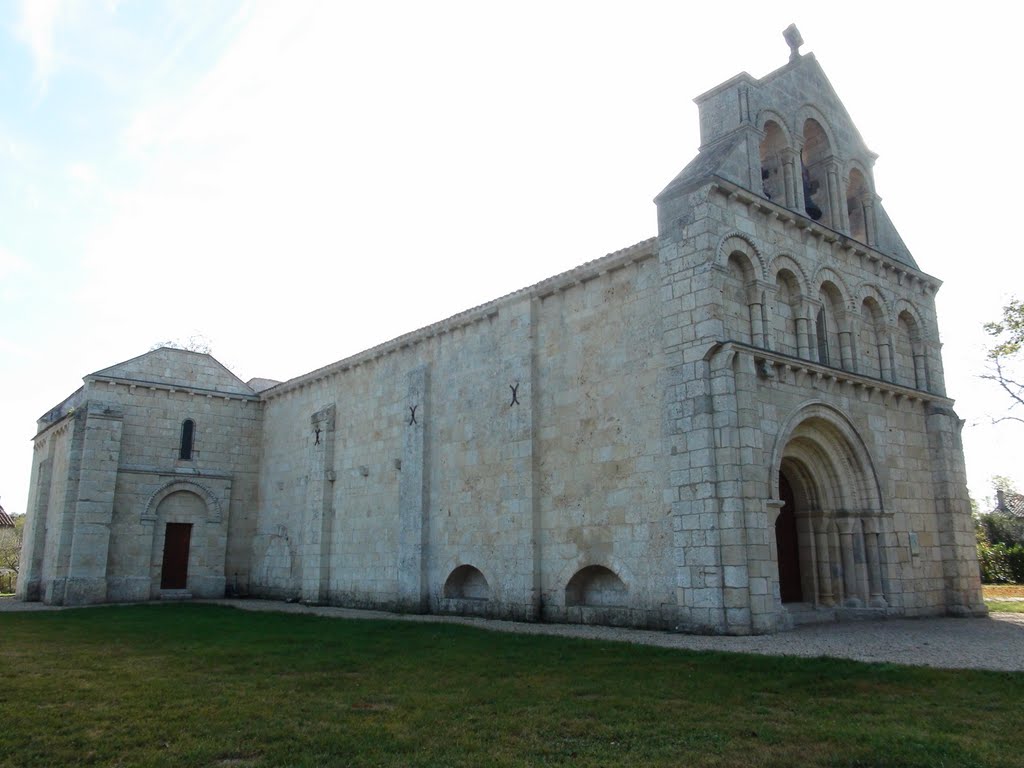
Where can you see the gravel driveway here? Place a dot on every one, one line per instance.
(994, 643)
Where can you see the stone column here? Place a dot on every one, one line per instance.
(412, 536)
(870, 224)
(846, 356)
(920, 370)
(823, 563)
(802, 339)
(792, 158)
(875, 590)
(844, 210)
(835, 565)
(316, 540)
(860, 562)
(836, 209)
(885, 356)
(846, 526)
(790, 174)
(94, 506)
(757, 335)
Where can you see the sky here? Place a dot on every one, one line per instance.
(294, 182)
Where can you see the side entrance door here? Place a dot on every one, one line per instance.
(174, 574)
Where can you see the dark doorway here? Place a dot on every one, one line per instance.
(175, 568)
(788, 546)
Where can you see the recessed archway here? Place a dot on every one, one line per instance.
(467, 583)
(595, 586)
(830, 542)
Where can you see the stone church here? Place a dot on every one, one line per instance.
(733, 427)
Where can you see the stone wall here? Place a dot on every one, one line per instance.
(521, 440)
(103, 471)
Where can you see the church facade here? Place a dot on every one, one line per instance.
(735, 426)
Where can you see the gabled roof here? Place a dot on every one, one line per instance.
(703, 167)
(177, 368)
(1010, 503)
(798, 90)
(259, 384)
(6, 521)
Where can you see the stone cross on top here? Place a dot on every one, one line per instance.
(793, 38)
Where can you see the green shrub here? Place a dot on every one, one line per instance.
(1001, 564)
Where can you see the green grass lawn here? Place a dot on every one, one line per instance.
(199, 685)
(1005, 606)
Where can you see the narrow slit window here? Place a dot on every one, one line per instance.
(188, 433)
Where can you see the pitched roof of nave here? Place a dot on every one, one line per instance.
(178, 368)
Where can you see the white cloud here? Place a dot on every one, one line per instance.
(345, 172)
(36, 29)
(10, 263)
(82, 173)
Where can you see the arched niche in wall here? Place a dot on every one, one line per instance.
(595, 586)
(909, 359)
(467, 583)
(870, 346)
(737, 297)
(786, 312)
(829, 324)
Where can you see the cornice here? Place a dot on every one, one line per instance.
(883, 262)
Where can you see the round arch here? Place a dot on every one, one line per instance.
(840, 444)
(811, 112)
(737, 242)
(829, 546)
(827, 274)
(213, 505)
(766, 116)
(783, 261)
(613, 565)
(467, 582)
(873, 291)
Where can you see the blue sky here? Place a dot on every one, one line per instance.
(299, 181)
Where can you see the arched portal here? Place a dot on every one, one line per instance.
(830, 540)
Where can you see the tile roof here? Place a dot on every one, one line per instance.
(1010, 503)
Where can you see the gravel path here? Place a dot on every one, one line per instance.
(994, 643)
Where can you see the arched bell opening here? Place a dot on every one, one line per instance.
(773, 179)
(815, 159)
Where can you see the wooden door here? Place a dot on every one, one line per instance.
(788, 546)
(174, 574)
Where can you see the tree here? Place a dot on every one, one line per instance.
(197, 342)
(1008, 333)
(10, 552)
(1000, 535)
